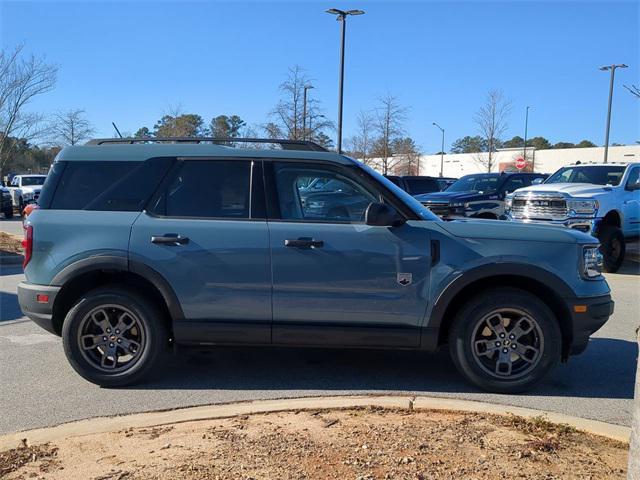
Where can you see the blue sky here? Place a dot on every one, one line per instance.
(129, 62)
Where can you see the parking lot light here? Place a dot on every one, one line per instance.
(341, 16)
(613, 74)
(441, 149)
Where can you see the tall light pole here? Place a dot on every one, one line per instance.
(441, 149)
(304, 112)
(606, 135)
(341, 16)
(526, 125)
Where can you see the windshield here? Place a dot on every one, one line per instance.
(414, 204)
(597, 174)
(29, 181)
(484, 183)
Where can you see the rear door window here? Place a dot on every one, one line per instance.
(207, 189)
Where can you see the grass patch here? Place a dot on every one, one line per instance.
(10, 245)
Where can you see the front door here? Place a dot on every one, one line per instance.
(631, 203)
(337, 281)
(205, 232)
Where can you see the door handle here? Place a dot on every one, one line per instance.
(170, 239)
(304, 243)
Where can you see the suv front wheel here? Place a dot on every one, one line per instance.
(113, 337)
(505, 340)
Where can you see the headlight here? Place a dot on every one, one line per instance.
(582, 207)
(591, 261)
(508, 201)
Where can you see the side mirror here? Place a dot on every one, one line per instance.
(537, 181)
(633, 186)
(382, 215)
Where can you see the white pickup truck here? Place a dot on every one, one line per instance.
(600, 199)
(25, 189)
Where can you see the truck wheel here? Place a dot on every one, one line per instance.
(505, 340)
(8, 213)
(113, 337)
(612, 247)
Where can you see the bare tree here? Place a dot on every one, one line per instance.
(388, 124)
(634, 89)
(70, 128)
(288, 114)
(361, 144)
(491, 120)
(21, 79)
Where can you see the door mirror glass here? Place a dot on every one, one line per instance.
(382, 215)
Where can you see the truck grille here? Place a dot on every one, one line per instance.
(539, 207)
(438, 208)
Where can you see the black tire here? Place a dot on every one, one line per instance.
(612, 247)
(151, 338)
(464, 342)
(8, 213)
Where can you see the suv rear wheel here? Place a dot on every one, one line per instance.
(505, 340)
(113, 337)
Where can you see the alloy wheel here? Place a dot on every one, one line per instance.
(507, 343)
(111, 338)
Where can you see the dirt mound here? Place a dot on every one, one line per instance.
(367, 443)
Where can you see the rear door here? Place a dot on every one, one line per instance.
(205, 232)
(337, 281)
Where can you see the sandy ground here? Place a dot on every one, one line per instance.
(359, 444)
(9, 245)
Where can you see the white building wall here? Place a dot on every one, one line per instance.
(543, 161)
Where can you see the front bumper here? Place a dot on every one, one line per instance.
(588, 314)
(585, 225)
(31, 299)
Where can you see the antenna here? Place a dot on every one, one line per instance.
(118, 131)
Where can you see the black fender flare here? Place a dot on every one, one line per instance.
(431, 330)
(117, 263)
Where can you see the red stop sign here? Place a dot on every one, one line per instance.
(521, 163)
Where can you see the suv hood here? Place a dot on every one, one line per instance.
(448, 196)
(571, 189)
(505, 230)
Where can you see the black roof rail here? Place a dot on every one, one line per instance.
(286, 144)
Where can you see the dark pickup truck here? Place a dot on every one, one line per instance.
(480, 195)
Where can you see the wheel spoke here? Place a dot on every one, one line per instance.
(486, 347)
(89, 342)
(496, 324)
(129, 346)
(125, 322)
(101, 319)
(522, 327)
(526, 353)
(504, 365)
(109, 358)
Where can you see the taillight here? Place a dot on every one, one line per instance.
(27, 244)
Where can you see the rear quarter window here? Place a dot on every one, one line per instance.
(104, 186)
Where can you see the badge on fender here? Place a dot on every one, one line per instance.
(405, 279)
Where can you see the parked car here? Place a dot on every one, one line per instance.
(601, 200)
(445, 182)
(25, 189)
(153, 245)
(480, 195)
(416, 185)
(6, 204)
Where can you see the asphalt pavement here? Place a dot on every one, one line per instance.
(39, 388)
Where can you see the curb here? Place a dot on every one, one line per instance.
(212, 412)
(11, 259)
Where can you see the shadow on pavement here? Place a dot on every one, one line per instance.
(9, 307)
(605, 370)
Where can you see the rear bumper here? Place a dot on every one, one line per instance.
(38, 310)
(588, 315)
